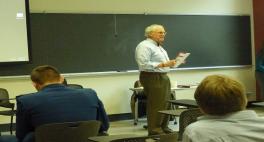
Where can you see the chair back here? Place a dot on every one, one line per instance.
(5, 103)
(4, 99)
(137, 84)
(67, 131)
(139, 95)
(75, 86)
(187, 117)
(171, 137)
(139, 109)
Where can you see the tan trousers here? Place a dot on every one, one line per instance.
(157, 89)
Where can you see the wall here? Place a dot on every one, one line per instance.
(258, 12)
(113, 89)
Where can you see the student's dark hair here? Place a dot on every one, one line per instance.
(45, 73)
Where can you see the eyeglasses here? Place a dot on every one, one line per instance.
(162, 33)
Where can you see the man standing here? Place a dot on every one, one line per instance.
(154, 63)
(54, 102)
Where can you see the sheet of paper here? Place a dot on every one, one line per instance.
(181, 58)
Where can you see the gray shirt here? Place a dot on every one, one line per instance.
(242, 126)
(149, 55)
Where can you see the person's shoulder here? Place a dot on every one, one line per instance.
(143, 42)
(25, 96)
(199, 128)
(201, 123)
(27, 99)
(87, 91)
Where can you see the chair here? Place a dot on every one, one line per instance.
(75, 86)
(187, 117)
(67, 131)
(138, 102)
(172, 113)
(5, 103)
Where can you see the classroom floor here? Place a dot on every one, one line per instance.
(128, 127)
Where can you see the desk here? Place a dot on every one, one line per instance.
(258, 104)
(181, 102)
(184, 102)
(173, 89)
(173, 112)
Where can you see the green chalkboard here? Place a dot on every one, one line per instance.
(77, 43)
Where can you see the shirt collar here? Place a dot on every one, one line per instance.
(51, 86)
(244, 114)
(153, 41)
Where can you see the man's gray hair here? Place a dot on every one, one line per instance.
(150, 29)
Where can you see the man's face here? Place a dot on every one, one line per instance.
(158, 34)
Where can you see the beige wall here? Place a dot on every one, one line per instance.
(144, 6)
(113, 88)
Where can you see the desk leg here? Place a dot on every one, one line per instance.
(173, 97)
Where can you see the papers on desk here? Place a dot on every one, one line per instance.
(181, 59)
(137, 89)
(179, 87)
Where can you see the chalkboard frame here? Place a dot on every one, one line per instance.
(116, 29)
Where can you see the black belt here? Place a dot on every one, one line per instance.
(153, 73)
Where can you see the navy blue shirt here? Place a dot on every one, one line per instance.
(58, 103)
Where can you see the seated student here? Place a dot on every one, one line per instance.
(223, 102)
(54, 102)
(7, 138)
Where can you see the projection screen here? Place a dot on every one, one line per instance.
(14, 31)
